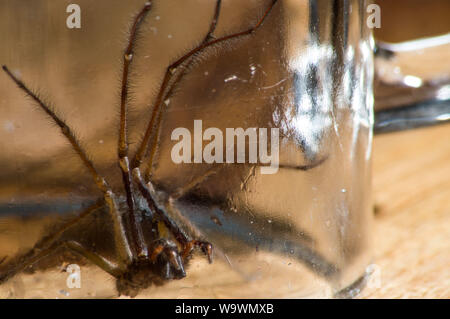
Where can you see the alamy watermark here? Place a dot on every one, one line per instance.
(220, 150)
(74, 278)
(374, 276)
(374, 18)
(73, 21)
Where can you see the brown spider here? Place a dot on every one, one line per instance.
(142, 258)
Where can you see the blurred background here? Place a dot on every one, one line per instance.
(411, 175)
(404, 20)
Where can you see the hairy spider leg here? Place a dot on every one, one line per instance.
(170, 71)
(50, 243)
(125, 254)
(122, 152)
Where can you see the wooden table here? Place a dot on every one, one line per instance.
(412, 222)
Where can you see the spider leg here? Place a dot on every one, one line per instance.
(110, 267)
(170, 71)
(305, 167)
(180, 192)
(168, 85)
(206, 248)
(121, 239)
(13, 268)
(136, 233)
(49, 243)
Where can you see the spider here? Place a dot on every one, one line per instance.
(142, 258)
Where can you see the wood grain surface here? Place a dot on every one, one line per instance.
(412, 222)
(411, 176)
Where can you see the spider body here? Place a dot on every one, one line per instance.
(166, 261)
